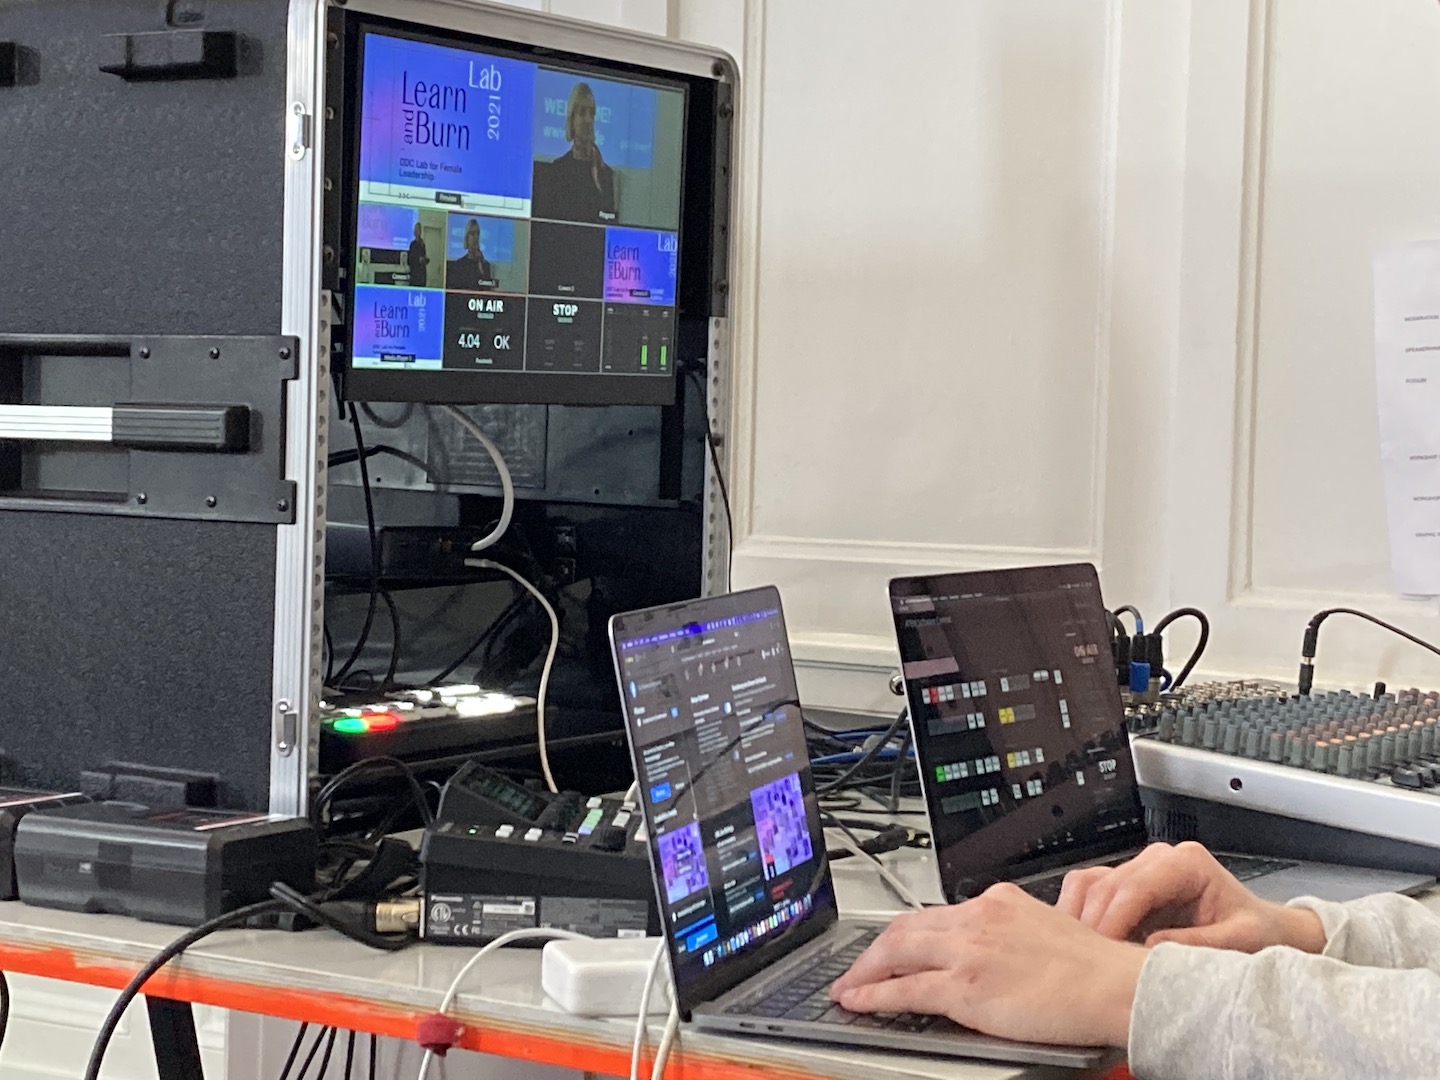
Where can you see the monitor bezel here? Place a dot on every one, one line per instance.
(517, 35)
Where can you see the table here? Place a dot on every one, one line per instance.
(324, 979)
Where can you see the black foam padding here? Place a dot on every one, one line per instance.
(139, 208)
(136, 640)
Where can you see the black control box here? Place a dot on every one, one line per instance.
(500, 857)
(15, 803)
(182, 866)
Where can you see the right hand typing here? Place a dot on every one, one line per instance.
(1182, 894)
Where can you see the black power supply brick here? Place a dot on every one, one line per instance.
(181, 866)
(15, 803)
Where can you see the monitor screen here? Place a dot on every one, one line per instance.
(516, 226)
(1017, 720)
(714, 721)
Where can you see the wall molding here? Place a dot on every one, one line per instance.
(906, 557)
(1259, 69)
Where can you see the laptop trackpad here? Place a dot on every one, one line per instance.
(1337, 883)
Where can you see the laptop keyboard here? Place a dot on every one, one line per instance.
(1243, 867)
(807, 996)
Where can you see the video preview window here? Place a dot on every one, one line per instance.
(554, 194)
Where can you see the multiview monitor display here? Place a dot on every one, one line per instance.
(516, 227)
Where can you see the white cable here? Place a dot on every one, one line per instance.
(500, 942)
(641, 1022)
(487, 564)
(507, 486)
(672, 1027)
(901, 889)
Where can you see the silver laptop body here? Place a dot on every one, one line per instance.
(1020, 738)
(736, 845)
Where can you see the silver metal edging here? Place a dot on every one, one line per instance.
(718, 541)
(551, 31)
(300, 548)
(57, 423)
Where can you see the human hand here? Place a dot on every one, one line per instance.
(1182, 894)
(1004, 964)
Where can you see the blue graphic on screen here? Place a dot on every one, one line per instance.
(399, 325)
(388, 227)
(640, 266)
(497, 237)
(781, 825)
(446, 119)
(682, 862)
(624, 119)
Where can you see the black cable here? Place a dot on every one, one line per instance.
(349, 1057)
(381, 422)
(515, 606)
(304, 906)
(395, 637)
(329, 656)
(158, 961)
(879, 743)
(374, 1043)
(1312, 638)
(1200, 617)
(294, 1051)
(4, 1008)
(374, 554)
(350, 457)
(326, 793)
(901, 760)
(1133, 612)
(310, 1057)
(325, 1060)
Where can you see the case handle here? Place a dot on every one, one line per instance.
(171, 54)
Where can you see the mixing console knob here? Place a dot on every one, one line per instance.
(1252, 743)
(1187, 731)
(1344, 760)
(1211, 736)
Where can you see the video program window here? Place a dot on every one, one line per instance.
(513, 218)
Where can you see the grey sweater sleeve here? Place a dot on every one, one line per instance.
(1281, 1014)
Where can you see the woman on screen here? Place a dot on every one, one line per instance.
(471, 270)
(577, 185)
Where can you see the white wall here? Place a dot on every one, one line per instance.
(1030, 280)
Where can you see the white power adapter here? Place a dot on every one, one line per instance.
(604, 976)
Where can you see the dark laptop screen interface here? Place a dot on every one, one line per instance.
(1018, 721)
(720, 754)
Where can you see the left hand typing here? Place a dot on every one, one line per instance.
(1004, 964)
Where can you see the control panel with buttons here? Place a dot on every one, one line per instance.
(1338, 776)
(501, 857)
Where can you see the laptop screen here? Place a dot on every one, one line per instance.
(713, 716)
(1018, 724)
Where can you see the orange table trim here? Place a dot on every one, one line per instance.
(357, 1014)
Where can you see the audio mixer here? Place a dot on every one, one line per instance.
(1339, 777)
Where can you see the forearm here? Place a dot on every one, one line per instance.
(1202, 1013)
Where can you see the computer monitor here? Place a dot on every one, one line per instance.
(515, 221)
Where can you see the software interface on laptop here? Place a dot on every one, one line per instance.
(1018, 721)
(720, 753)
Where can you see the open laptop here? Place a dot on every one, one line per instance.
(1019, 733)
(736, 846)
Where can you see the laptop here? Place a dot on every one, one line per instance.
(736, 847)
(1019, 734)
